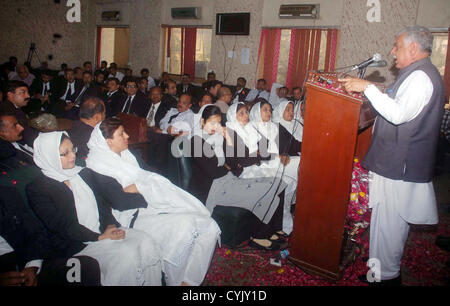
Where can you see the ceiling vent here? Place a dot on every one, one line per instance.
(185, 12)
(306, 11)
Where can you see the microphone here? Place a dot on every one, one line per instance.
(378, 64)
(375, 58)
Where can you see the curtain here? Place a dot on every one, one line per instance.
(304, 54)
(190, 41)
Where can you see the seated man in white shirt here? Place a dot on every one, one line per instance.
(114, 73)
(258, 92)
(278, 94)
(23, 75)
(180, 120)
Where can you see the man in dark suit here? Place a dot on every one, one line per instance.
(239, 91)
(211, 76)
(67, 90)
(18, 97)
(12, 153)
(158, 148)
(170, 93)
(113, 98)
(135, 103)
(143, 85)
(213, 87)
(92, 112)
(185, 86)
(26, 255)
(40, 91)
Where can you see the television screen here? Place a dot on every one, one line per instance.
(233, 24)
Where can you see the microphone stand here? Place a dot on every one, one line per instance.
(361, 72)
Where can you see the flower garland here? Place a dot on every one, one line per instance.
(358, 212)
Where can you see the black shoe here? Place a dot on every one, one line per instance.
(275, 245)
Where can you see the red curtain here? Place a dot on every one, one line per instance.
(447, 70)
(99, 45)
(270, 51)
(190, 40)
(304, 54)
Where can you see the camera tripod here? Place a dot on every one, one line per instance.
(32, 51)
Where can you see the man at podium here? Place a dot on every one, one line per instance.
(402, 152)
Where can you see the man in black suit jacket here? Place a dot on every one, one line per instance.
(158, 147)
(170, 92)
(12, 153)
(113, 98)
(18, 97)
(92, 112)
(66, 92)
(40, 91)
(185, 86)
(239, 91)
(135, 103)
(26, 255)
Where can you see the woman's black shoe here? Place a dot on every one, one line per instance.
(275, 245)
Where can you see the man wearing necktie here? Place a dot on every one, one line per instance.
(135, 103)
(41, 90)
(179, 120)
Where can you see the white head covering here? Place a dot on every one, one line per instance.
(215, 140)
(124, 167)
(293, 127)
(46, 156)
(248, 134)
(267, 129)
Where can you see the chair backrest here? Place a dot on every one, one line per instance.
(135, 127)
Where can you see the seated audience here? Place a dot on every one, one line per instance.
(87, 67)
(143, 85)
(41, 89)
(278, 94)
(297, 98)
(104, 69)
(145, 73)
(23, 74)
(114, 73)
(62, 72)
(114, 97)
(240, 91)
(179, 223)
(135, 103)
(258, 92)
(211, 76)
(223, 99)
(163, 80)
(65, 94)
(205, 99)
(78, 73)
(170, 92)
(185, 86)
(179, 120)
(290, 130)
(73, 204)
(213, 87)
(17, 97)
(26, 254)
(216, 178)
(12, 153)
(280, 162)
(92, 112)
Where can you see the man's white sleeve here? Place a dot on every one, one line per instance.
(412, 96)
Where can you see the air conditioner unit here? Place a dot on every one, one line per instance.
(185, 12)
(306, 11)
(111, 16)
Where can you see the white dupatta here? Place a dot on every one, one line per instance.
(267, 129)
(248, 134)
(293, 127)
(46, 157)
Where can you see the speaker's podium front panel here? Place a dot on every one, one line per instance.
(333, 121)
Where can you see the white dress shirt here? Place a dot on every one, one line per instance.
(70, 86)
(254, 93)
(151, 83)
(417, 205)
(119, 75)
(184, 122)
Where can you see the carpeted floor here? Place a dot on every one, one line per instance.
(423, 262)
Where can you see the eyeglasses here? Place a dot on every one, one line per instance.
(74, 151)
(131, 86)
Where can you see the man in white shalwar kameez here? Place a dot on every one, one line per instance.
(402, 152)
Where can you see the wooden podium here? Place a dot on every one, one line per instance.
(336, 128)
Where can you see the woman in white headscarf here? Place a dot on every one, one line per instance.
(72, 206)
(217, 182)
(280, 163)
(179, 223)
(290, 129)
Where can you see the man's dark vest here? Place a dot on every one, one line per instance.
(407, 151)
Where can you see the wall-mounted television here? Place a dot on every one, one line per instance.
(233, 24)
